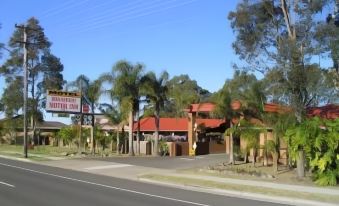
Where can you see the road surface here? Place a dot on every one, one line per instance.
(180, 162)
(31, 184)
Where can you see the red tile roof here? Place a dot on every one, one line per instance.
(203, 107)
(330, 111)
(174, 124)
(273, 107)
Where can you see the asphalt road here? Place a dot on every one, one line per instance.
(180, 162)
(28, 184)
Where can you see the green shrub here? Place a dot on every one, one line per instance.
(319, 138)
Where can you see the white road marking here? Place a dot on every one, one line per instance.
(107, 167)
(9, 185)
(189, 159)
(105, 186)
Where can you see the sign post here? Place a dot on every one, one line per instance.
(71, 102)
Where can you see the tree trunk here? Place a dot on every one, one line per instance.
(275, 162)
(130, 133)
(254, 156)
(265, 150)
(95, 148)
(125, 146)
(156, 138)
(80, 132)
(301, 164)
(231, 147)
(245, 157)
(138, 134)
(118, 142)
(92, 140)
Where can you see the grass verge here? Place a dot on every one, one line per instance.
(241, 188)
(40, 153)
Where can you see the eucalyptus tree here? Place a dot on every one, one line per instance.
(40, 64)
(156, 91)
(280, 35)
(182, 92)
(12, 97)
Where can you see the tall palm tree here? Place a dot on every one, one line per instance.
(156, 92)
(81, 84)
(126, 88)
(224, 109)
(91, 92)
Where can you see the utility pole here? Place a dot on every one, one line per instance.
(24, 65)
(81, 117)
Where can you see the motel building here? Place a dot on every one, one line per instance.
(180, 134)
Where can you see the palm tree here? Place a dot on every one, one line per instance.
(117, 117)
(81, 84)
(126, 88)
(156, 92)
(91, 92)
(251, 133)
(224, 109)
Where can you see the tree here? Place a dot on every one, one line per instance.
(251, 133)
(53, 78)
(90, 90)
(224, 109)
(127, 81)
(320, 140)
(101, 138)
(280, 35)
(81, 83)
(67, 134)
(279, 123)
(156, 92)
(182, 92)
(117, 117)
(12, 97)
(93, 94)
(246, 89)
(1, 46)
(41, 66)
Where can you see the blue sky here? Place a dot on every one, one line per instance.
(181, 36)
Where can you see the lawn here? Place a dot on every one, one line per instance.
(42, 152)
(241, 188)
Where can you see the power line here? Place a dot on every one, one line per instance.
(132, 15)
(64, 7)
(136, 16)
